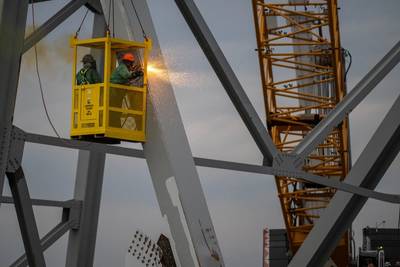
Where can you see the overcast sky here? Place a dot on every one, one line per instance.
(241, 204)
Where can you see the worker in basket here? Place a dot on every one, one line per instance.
(128, 72)
(88, 74)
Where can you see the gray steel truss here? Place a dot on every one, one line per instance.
(22, 200)
(26, 218)
(69, 220)
(344, 207)
(168, 154)
(218, 164)
(13, 15)
(12, 30)
(101, 149)
(12, 45)
(228, 78)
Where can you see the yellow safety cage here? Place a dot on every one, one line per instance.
(106, 112)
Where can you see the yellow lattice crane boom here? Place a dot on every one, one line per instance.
(303, 78)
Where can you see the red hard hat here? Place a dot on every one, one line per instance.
(128, 57)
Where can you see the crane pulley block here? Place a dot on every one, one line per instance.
(109, 103)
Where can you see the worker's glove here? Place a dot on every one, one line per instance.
(137, 74)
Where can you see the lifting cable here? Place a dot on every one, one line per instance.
(347, 54)
(109, 14)
(80, 25)
(143, 33)
(140, 22)
(111, 10)
(140, 59)
(113, 18)
(39, 79)
(141, 27)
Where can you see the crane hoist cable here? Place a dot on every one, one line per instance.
(109, 16)
(80, 25)
(140, 58)
(111, 11)
(113, 17)
(144, 36)
(347, 54)
(138, 18)
(39, 78)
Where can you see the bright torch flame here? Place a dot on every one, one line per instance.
(176, 78)
(153, 69)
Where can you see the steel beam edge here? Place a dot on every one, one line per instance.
(91, 4)
(39, 1)
(369, 169)
(168, 155)
(52, 23)
(69, 220)
(26, 218)
(228, 78)
(219, 164)
(50, 238)
(45, 203)
(349, 102)
(12, 16)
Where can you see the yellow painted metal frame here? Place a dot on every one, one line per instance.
(288, 121)
(91, 119)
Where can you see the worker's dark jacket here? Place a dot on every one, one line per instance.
(121, 75)
(87, 76)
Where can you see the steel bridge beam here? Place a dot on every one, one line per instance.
(88, 189)
(228, 78)
(70, 219)
(349, 102)
(26, 218)
(52, 23)
(168, 155)
(12, 30)
(93, 5)
(55, 234)
(43, 202)
(344, 207)
(38, 1)
(22, 201)
(218, 164)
